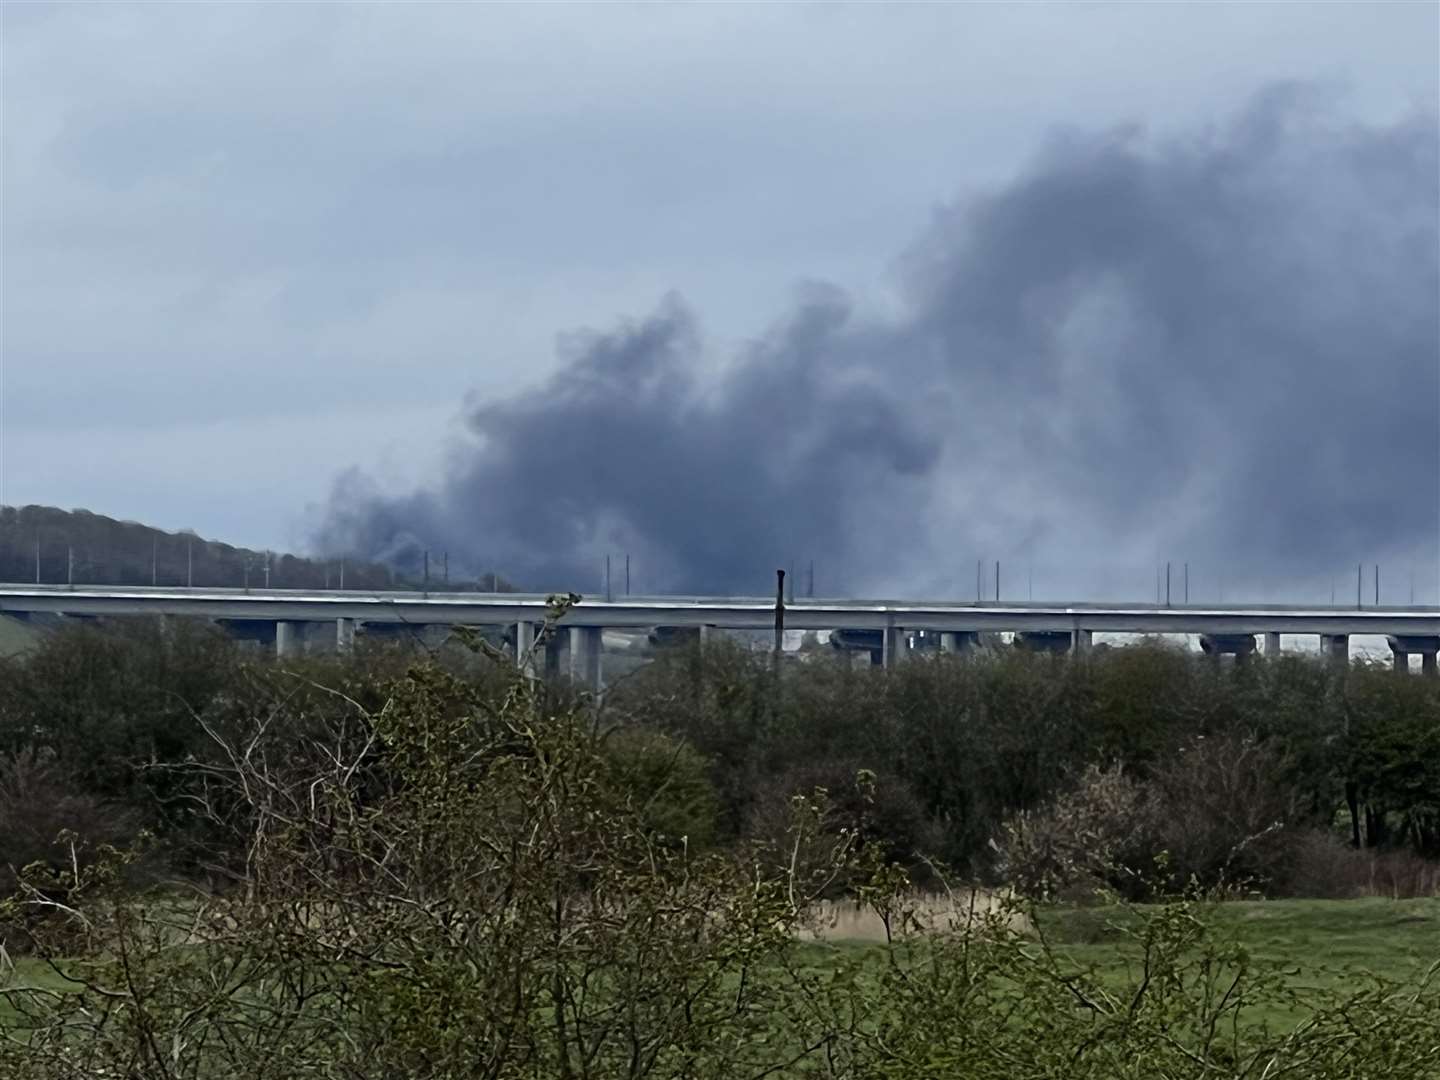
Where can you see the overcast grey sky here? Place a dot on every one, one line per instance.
(247, 248)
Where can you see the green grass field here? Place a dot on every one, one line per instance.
(1331, 945)
(1327, 940)
(1317, 944)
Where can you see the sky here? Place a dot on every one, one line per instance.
(892, 289)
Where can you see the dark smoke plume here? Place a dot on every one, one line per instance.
(1223, 349)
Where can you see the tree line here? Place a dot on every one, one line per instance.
(53, 546)
(418, 863)
(1275, 771)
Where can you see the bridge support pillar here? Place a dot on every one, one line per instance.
(1240, 646)
(1081, 641)
(287, 638)
(1335, 647)
(1272, 644)
(344, 634)
(1401, 646)
(551, 649)
(585, 644)
(524, 641)
(1046, 641)
(894, 646)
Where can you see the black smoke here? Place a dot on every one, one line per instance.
(1223, 348)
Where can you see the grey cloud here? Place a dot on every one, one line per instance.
(1245, 318)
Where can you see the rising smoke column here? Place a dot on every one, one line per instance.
(1224, 346)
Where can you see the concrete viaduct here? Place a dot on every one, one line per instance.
(884, 627)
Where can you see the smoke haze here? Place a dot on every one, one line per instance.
(1221, 349)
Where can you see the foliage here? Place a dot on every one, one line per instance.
(995, 1004)
(975, 740)
(440, 885)
(103, 700)
(436, 871)
(1101, 833)
(1217, 813)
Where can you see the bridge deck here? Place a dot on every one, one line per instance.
(753, 613)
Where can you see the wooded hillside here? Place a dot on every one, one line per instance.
(50, 545)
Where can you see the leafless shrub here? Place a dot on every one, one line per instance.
(40, 805)
(857, 802)
(1323, 865)
(1217, 814)
(1226, 811)
(46, 821)
(1101, 831)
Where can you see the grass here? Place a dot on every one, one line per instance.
(1326, 945)
(1319, 945)
(25, 973)
(1323, 940)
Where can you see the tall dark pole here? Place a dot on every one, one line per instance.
(37, 558)
(1187, 583)
(154, 559)
(1167, 584)
(70, 565)
(1377, 584)
(1359, 585)
(779, 616)
(997, 581)
(426, 579)
(445, 565)
(810, 590)
(979, 573)
(608, 594)
(627, 573)
(189, 564)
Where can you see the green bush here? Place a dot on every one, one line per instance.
(442, 882)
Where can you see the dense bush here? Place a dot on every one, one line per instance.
(1216, 814)
(104, 700)
(46, 817)
(443, 881)
(956, 745)
(973, 741)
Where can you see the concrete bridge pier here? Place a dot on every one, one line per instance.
(1335, 647)
(524, 641)
(1046, 641)
(552, 651)
(345, 634)
(1240, 646)
(894, 646)
(288, 638)
(1427, 646)
(958, 641)
(1272, 644)
(1081, 641)
(585, 644)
